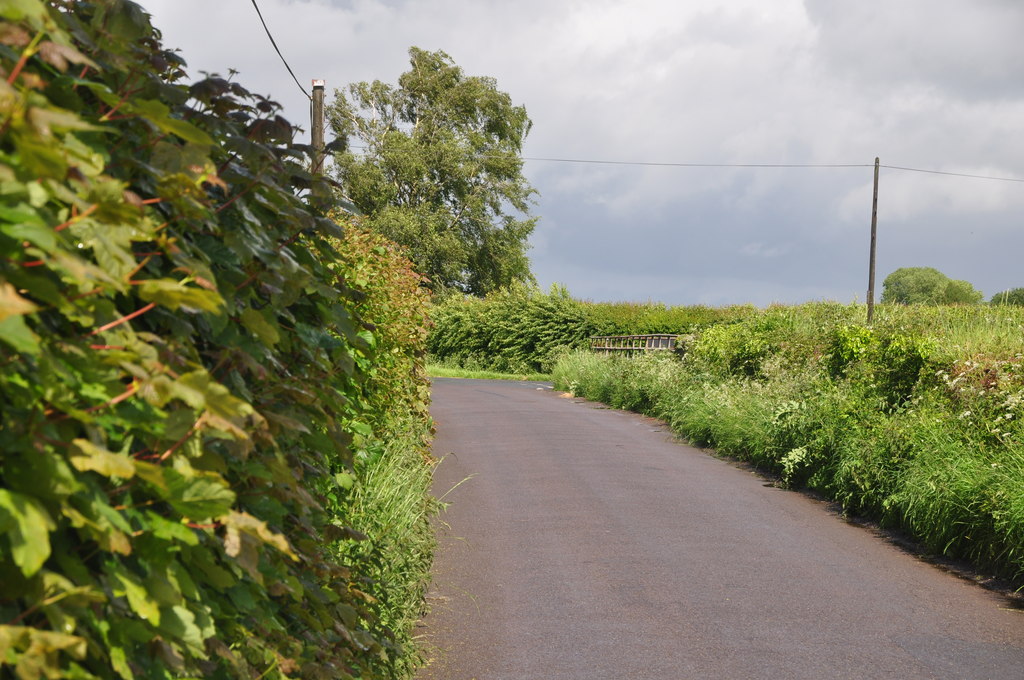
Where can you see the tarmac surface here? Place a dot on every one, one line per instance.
(583, 542)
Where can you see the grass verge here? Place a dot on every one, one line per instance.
(390, 503)
(440, 371)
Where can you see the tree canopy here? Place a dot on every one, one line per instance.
(1014, 296)
(434, 163)
(927, 286)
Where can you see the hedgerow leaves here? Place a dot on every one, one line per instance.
(181, 371)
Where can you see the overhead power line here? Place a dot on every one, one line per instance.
(955, 174)
(588, 161)
(702, 165)
(656, 164)
(276, 49)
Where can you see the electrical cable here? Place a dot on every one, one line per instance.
(772, 165)
(283, 60)
(954, 174)
(703, 165)
(592, 161)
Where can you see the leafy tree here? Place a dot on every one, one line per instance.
(435, 165)
(1014, 296)
(927, 286)
(960, 292)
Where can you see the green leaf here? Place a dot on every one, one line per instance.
(244, 522)
(16, 333)
(189, 159)
(33, 651)
(158, 114)
(86, 456)
(260, 327)
(23, 9)
(163, 588)
(175, 294)
(28, 530)
(23, 223)
(216, 575)
(171, 531)
(138, 597)
(119, 662)
(201, 496)
(40, 158)
(360, 428)
(154, 474)
(179, 623)
(48, 119)
(199, 390)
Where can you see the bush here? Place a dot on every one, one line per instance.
(522, 330)
(517, 330)
(848, 345)
(184, 378)
(389, 500)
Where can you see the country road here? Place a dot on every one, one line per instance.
(587, 544)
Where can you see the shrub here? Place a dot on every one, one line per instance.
(522, 330)
(901, 359)
(183, 375)
(389, 499)
(848, 345)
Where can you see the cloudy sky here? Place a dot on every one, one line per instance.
(927, 84)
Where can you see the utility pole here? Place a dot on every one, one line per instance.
(871, 257)
(317, 126)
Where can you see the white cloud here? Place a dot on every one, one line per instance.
(762, 250)
(932, 84)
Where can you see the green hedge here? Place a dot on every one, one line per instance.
(187, 385)
(524, 330)
(389, 501)
(916, 421)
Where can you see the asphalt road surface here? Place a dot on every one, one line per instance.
(586, 543)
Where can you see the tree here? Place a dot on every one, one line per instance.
(927, 286)
(435, 166)
(1014, 296)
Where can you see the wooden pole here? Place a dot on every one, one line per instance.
(871, 257)
(317, 125)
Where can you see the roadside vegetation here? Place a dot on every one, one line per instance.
(442, 371)
(523, 330)
(213, 412)
(915, 421)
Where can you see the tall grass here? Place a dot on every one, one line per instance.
(391, 505)
(915, 422)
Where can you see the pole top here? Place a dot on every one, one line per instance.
(317, 83)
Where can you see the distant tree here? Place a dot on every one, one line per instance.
(435, 165)
(1014, 296)
(960, 292)
(927, 286)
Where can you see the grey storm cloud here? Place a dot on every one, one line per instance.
(928, 84)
